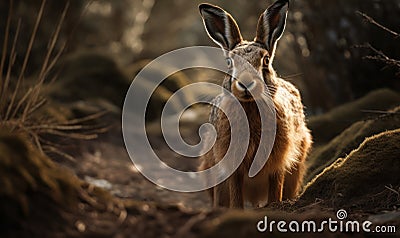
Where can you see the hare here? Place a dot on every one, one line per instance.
(282, 175)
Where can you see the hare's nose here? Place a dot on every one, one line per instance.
(242, 87)
(251, 85)
(245, 82)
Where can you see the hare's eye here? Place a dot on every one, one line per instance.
(265, 61)
(229, 62)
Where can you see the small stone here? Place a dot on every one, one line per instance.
(80, 226)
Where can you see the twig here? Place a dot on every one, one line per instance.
(379, 112)
(182, 232)
(380, 56)
(54, 150)
(393, 190)
(292, 76)
(86, 118)
(372, 21)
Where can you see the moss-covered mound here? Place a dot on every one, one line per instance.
(90, 75)
(325, 127)
(368, 178)
(350, 139)
(234, 223)
(165, 90)
(33, 188)
(172, 83)
(38, 198)
(95, 79)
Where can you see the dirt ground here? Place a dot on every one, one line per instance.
(173, 214)
(107, 164)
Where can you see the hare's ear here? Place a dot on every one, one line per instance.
(220, 26)
(272, 24)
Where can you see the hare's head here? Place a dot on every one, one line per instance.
(249, 62)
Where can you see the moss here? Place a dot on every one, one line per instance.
(173, 82)
(349, 140)
(234, 223)
(362, 179)
(31, 183)
(93, 77)
(157, 101)
(325, 127)
(89, 75)
(165, 90)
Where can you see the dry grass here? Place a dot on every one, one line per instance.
(20, 103)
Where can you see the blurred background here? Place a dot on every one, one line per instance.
(65, 68)
(320, 51)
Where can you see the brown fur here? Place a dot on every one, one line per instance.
(282, 175)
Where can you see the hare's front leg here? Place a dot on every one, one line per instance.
(220, 195)
(276, 187)
(293, 181)
(236, 190)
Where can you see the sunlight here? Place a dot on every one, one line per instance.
(101, 8)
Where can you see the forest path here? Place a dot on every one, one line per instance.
(105, 163)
